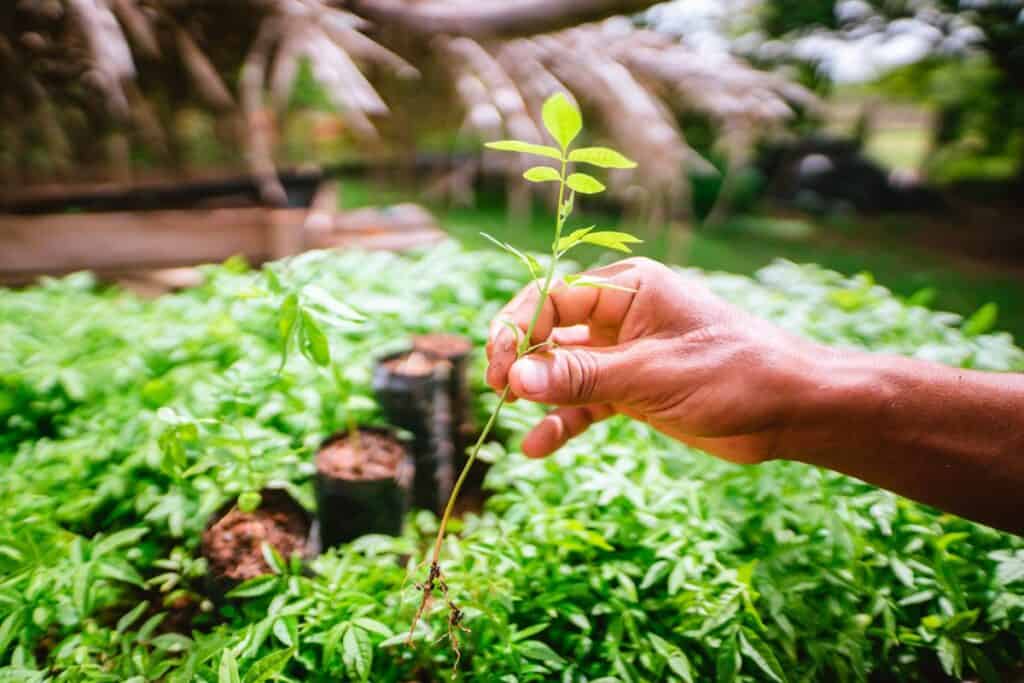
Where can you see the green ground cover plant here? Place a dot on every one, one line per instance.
(624, 557)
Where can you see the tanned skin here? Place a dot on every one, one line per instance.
(672, 354)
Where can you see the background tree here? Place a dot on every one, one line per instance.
(972, 73)
(83, 73)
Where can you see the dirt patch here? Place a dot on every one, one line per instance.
(412, 364)
(361, 456)
(233, 544)
(441, 345)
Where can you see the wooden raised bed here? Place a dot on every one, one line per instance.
(122, 243)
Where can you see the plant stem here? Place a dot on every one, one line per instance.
(464, 473)
(523, 345)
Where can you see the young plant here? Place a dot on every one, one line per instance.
(300, 316)
(564, 123)
(239, 470)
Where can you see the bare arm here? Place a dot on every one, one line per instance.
(698, 369)
(948, 437)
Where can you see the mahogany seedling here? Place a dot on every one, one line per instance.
(564, 123)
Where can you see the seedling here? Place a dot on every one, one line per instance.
(300, 316)
(301, 313)
(564, 123)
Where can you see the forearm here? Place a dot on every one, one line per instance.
(945, 436)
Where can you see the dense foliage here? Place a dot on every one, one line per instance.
(972, 76)
(625, 557)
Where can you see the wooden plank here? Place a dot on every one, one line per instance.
(131, 241)
(159, 193)
(130, 246)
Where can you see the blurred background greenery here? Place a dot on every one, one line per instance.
(864, 135)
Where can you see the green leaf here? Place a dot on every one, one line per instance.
(120, 539)
(172, 642)
(675, 658)
(313, 341)
(602, 157)
(529, 261)
(149, 626)
(542, 174)
(249, 501)
(227, 672)
(286, 318)
(357, 652)
(561, 119)
(525, 148)
(373, 626)
(727, 662)
(529, 631)
(274, 560)
(266, 668)
(567, 242)
(331, 642)
(922, 297)
(612, 240)
(757, 651)
(982, 321)
(319, 296)
(9, 629)
(119, 570)
(261, 585)
(961, 622)
(584, 280)
(951, 657)
(126, 621)
(904, 573)
(584, 184)
(541, 652)
(286, 629)
(273, 281)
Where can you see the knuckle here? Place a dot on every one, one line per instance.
(645, 264)
(582, 370)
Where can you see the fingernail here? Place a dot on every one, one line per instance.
(507, 341)
(534, 375)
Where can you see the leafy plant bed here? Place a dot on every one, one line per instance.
(363, 482)
(624, 557)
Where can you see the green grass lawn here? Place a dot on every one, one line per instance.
(746, 244)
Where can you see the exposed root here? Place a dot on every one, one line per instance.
(433, 582)
(455, 616)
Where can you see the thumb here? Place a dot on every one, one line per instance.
(572, 376)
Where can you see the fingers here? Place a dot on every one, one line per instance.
(600, 308)
(576, 376)
(577, 335)
(557, 428)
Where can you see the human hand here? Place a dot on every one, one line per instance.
(669, 353)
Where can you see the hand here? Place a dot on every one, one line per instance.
(669, 353)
